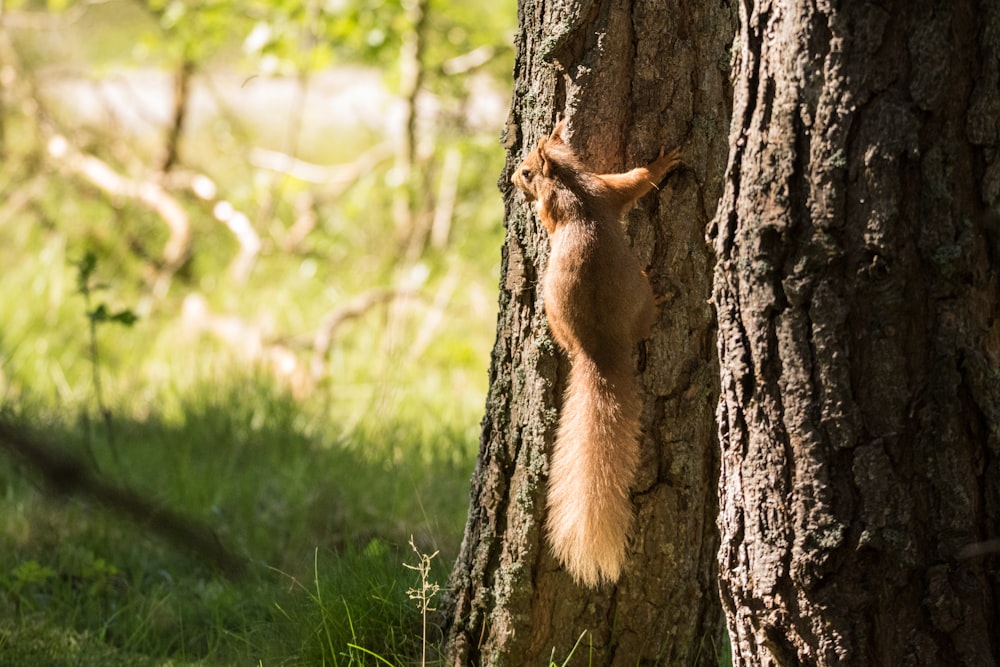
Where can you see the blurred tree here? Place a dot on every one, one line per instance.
(631, 80)
(191, 33)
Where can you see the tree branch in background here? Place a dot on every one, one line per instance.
(22, 196)
(205, 189)
(470, 61)
(354, 308)
(248, 340)
(444, 208)
(67, 475)
(306, 219)
(117, 186)
(336, 180)
(268, 205)
(435, 315)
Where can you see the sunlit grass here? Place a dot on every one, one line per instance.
(318, 490)
(308, 504)
(317, 480)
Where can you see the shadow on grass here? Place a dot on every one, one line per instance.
(321, 518)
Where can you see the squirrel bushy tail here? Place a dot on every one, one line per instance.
(596, 455)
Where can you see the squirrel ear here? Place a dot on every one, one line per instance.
(554, 138)
(557, 131)
(546, 162)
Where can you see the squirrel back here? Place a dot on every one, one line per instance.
(599, 304)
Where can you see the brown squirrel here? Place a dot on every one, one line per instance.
(599, 304)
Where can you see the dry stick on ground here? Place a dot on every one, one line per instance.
(148, 193)
(67, 475)
(356, 307)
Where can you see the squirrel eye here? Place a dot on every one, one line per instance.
(526, 172)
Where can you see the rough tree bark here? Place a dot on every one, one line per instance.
(858, 303)
(631, 77)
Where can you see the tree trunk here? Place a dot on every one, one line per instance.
(178, 115)
(858, 304)
(631, 78)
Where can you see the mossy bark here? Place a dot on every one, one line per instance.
(858, 302)
(631, 78)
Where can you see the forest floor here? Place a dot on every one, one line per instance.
(301, 386)
(330, 490)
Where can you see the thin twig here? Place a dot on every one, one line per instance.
(356, 307)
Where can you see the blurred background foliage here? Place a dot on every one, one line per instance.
(288, 216)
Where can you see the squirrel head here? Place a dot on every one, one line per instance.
(533, 176)
(553, 179)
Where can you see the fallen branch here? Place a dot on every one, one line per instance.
(354, 308)
(248, 341)
(149, 193)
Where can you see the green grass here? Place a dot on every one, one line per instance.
(319, 492)
(320, 488)
(323, 519)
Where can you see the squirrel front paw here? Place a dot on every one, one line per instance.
(665, 163)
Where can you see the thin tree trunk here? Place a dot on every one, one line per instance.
(411, 66)
(858, 303)
(175, 130)
(4, 103)
(631, 78)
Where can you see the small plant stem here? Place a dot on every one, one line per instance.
(425, 594)
(95, 367)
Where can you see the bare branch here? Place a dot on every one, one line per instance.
(451, 170)
(467, 62)
(338, 176)
(249, 342)
(117, 186)
(354, 308)
(205, 189)
(22, 197)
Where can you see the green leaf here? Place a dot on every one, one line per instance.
(99, 314)
(125, 317)
(32, 572)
